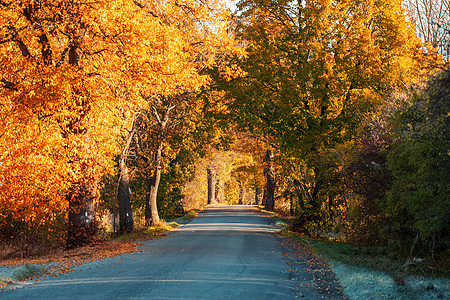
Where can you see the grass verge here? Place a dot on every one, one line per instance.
(190, 214)
(148, 233)
(376, 257)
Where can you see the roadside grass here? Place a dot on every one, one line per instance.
(365, 256)
(190, 214)
(147, 233)
(21, 273)
(376, 257)
(372, 271)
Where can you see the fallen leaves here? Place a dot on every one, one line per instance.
(310, 269)
(61, 261)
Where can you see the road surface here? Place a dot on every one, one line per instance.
(227, 252)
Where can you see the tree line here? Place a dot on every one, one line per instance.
(338, 110)
(82, 82)
(353, 109)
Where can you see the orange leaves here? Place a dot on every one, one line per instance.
(70, 71)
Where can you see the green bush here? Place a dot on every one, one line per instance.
(418, 203)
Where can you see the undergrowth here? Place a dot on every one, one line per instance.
(377, 257)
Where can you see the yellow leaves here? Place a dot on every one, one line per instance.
(61, 122)
(229, 72)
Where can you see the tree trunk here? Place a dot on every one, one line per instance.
(211, 184)
(257, 194)
(291, 204)
(82, 226)
(264, 198)
(82, 193)
(126, 223)
(241, 192)
(298, 192)
(151, 207)
(217, 190)
(270, 181)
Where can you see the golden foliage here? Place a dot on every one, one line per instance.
(71, 71)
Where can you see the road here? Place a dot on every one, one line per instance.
(227, 252)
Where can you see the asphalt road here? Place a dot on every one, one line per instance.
(227, 252)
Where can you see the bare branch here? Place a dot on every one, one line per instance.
(7, 84)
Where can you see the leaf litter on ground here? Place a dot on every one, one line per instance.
(60, 260)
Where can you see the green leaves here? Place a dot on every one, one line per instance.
(420, 162)
(314, 67)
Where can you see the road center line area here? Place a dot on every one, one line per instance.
(227, 252)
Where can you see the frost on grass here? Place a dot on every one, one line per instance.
(362, 283)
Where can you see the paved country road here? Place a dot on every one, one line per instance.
(227, 252)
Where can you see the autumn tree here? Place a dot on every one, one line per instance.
(68, 70)
(211, 184)
(314, 69)
(47, 75)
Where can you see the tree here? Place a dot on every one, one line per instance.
(417, 204)
(270, 181)
(313, 72)
(211, 184)
(70, 67)
(123, 197)
(432, 20)
(46, 72)
(315, 67)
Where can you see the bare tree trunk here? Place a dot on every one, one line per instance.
(264, 198)
(151, 207)
(270, 181)
(126, 223)
(211, 184)
(82, 226)
(291, 204)
(257, 194)
(241, 192)
(298, 192)
(217, 189)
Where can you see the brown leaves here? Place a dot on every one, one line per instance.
(61, 261)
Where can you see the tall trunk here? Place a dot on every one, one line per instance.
(151, 207)
(291, 204)
(81, 196)
(298, 192)
(82, 193)
(126, 223)
(241, 192)
(264, 198)
(211, 184)
(270, 181)
(217, 190)
(318, 185)
(257, 194)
